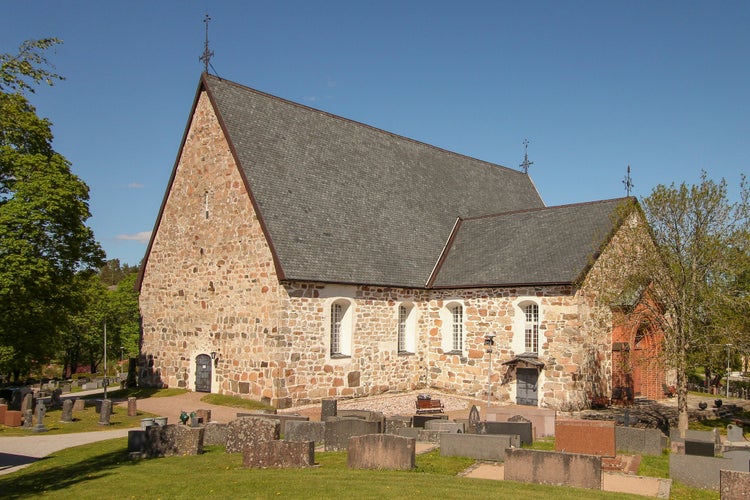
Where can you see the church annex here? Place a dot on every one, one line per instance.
(298, 255)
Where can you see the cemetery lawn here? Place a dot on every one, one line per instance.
(136, 392)
(103, 470)
(83, 421)
(234, 402)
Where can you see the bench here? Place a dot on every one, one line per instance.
(429, 406)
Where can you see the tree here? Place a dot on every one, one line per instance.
(44, 240)
(688, 269)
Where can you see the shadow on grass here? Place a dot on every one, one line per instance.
(48, 480)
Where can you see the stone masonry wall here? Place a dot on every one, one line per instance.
(210, 286)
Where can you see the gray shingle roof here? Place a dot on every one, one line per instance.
(543, 246)
(348, 203)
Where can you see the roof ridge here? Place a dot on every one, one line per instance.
(540, 209)
(358, 123)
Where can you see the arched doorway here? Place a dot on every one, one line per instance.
(203, 373)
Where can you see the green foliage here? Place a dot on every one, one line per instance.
(44, 241)
(28, 64)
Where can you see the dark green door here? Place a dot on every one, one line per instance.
(526, 390)
(203, 373)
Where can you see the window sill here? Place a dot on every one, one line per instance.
(455, 353)
(340, 356)
(405, 353)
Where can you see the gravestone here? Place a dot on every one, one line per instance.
(173, 440)
(305, 431)
(281, 418)
(328, 408)
(13, 418)
(3, 409)
(735, 433)
(443, 426)
(27, 403)
(381, 451)
(699, 448)
(340, 430)
(132, 407)
(250, 431)
(215, 433)
(396, 422)
(56, 401)
(477, 446)
(136, 443)
(41, 411)
(79, 404)
(67, 411)
(279, 454)
(640, 441)
(28, 419)
(203, 415)
(590, 437)
(420, 420)
(549, 467)
(522, 429)
(106, 411)
(474, 420)
(734, 485)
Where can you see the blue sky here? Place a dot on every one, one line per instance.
(662, 86)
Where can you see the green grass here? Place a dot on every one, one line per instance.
(137, 392)
(235, 402)
(102, 470)
(86, 420)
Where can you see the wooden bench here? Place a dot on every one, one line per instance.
(429, 406)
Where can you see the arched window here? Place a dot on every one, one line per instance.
(341, 328)
(406, 328)
(531, 327)
(457, 326)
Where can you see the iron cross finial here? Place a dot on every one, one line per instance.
(205, 58)
(526, 163)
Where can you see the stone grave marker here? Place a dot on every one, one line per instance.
(132, 407)
(105, 411)
(381, 451)
(590, 437)
(3, 409)
(339, 430)
(549, 467)
(328, 408)
(699, 448)
(396, 422)
(474, 420)
(28, 419)
(522, 429)
(67, 411)
(251, 431)
(305, 431)
(173, 440)
(279, 454)
(735, 433)
(734, 485)
(27, 403)
(41, 411)
(79, 404)
(215, 433)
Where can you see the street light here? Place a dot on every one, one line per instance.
(728, 346)
(489, 341)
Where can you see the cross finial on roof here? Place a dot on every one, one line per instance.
(526, 163)
(205, 58)
(628, 182)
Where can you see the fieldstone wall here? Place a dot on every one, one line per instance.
(210, 285)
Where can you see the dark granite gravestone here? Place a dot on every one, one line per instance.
(522, 429)
(419, 420)
(328, 408)
(67, 411)
(699, 448)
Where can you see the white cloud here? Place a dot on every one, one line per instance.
(142, 237)
(135, 185)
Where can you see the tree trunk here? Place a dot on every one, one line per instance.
(682, 400)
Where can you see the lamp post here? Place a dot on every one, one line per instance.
(728, 368)
(489, 341)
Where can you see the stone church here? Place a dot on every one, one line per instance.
(299, 255)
